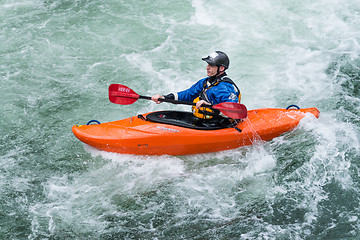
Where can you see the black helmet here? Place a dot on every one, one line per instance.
(217, 58)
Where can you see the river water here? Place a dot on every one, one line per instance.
(58, 58)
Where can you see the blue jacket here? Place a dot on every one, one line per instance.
(222, 92)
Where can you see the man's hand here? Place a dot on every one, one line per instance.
(201, 102)
(156, 97)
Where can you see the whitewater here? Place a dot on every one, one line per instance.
(58, 58)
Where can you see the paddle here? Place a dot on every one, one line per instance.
(123, 95)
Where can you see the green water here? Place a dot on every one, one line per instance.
(58, 59)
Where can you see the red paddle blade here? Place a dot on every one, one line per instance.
(232, 110)
(121, 94)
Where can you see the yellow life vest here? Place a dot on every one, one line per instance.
(203, 112)
(208, 113)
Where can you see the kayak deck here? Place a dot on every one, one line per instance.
(135, 135)
(187, 120)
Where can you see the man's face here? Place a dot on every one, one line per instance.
(211, 70)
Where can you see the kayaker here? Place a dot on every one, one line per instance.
(216, 88)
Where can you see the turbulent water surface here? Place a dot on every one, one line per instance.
(58, 58)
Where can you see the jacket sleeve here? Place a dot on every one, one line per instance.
(191, 93)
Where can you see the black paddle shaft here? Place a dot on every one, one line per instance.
(174, 101)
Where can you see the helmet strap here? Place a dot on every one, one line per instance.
(218, 70)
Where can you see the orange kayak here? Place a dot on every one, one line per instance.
(136, 135)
